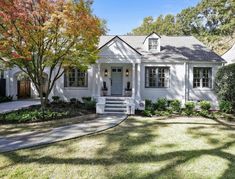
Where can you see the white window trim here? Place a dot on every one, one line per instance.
(153, 40)
(201, 83)
(75, 87)
(157, 87)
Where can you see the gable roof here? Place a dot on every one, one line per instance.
(172, 48)
(150, 35)
(102, 46)
(229, 56)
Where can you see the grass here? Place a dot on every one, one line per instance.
(138, 148)
(225, 117)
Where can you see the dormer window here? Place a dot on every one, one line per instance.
(153, 44)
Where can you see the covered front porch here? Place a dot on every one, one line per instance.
(116, 87)
(116, 84)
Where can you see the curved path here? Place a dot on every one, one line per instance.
(31, 139)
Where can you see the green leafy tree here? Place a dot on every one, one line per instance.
(225, 84)
(210, 21)
(36, 35)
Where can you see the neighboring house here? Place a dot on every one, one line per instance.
(229, 56)
(134, 68)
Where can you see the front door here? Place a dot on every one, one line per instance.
(24, 89)
(116, 81)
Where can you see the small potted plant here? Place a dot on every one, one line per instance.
(128, 89)
(104, 89)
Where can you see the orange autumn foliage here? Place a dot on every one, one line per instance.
(39, 34)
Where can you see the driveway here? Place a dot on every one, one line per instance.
(30, 139)
(16, 105)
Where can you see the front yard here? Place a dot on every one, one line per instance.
(138, 148)
(54, 111)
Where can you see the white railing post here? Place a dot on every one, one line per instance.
(138, 82)
(99, 80)
(133, 80)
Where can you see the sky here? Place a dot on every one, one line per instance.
(124, 15)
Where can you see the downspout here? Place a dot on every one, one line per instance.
(186, 82)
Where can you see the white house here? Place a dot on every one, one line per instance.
(229, 56)
(134, 68)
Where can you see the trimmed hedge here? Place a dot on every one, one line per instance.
(189, 108)
(205, 105)
(5, 99)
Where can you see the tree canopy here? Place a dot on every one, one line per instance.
(40, 34)
(213, 22)
(225, 84)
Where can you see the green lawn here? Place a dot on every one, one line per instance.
(138, 148)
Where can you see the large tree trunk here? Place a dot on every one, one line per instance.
(43, 105)
(41, 95)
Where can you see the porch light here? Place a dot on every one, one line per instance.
(105, 72)
(127, 72)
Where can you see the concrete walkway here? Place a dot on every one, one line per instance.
(30, 139)
(16, 105)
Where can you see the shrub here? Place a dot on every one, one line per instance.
(164, 113)
(175, 105)
(204, 113)
(34, 115)
(147, 113)
(5, 98)
(55, 99)
(225, 83)
(90, 105)
(86, 99)
(73, 100)
(161, 104)
(205, 105)
(225, 106)
(169, 101)
(148, 104)
(189, 108)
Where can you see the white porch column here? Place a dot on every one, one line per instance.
(7, 77)
(94, 82)
(138, 82)
(99, 80)
(133, 80)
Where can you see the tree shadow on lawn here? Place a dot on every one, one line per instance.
(133, 134)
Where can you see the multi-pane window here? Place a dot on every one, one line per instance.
(163, 77)
(153, 44)
(75, 78)
(196, 77)
(81, 78)
(202, 77)
(157, 77)
(72, 77)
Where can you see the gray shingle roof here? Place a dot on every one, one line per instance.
(172, 48)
